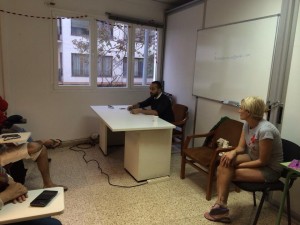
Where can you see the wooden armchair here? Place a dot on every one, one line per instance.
(181, 117)
(206, 158)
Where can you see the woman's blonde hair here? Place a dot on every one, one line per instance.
(255, 106)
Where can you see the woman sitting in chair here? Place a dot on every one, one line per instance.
(257, 158)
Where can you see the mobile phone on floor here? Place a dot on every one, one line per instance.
(43, 199)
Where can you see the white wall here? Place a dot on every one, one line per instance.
(291, 118)
(28, 67)
(180, 57)
(180, 52)
(181, 38)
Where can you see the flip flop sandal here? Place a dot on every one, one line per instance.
(218, 209)
(55, 143)
(220, 218)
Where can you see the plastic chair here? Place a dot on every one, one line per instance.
(290, 151)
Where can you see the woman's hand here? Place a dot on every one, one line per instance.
(15, 192)
(226, 159)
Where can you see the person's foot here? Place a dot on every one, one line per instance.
(218, 213)
(56, 185)
(218, 209)
(53, 143)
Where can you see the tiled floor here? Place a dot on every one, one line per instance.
(91, 200)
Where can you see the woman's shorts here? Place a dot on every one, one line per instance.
(16, 153)
(269, 174)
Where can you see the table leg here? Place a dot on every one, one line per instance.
(103, 137)
(286, 186)
(148, 153)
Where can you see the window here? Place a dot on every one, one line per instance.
(73, 53)
(105, 66)
(145, 66)
(112, 65)
(112, 49)
(80, 65)
(105, 31)
(138, 67)
(79, 27)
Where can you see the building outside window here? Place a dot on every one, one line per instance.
(113, 67)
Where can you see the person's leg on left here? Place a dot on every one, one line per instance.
(38, 152)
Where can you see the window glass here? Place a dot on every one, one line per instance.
(105, 66)
(145, 54)
(111, 65)
(73, 52)
(80, 65)
(112, 45)
(79, 27)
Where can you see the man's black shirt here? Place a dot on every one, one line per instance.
(162, 105)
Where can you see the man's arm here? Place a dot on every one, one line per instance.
(142, 104)
(131, 107)
(144, 111)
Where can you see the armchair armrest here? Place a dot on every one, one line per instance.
(190, 137)
(216, 154)
(180, 123)
(218, 150)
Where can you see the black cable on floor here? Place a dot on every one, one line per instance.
(90, 145)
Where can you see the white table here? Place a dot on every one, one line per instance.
(12, 213)
(147, 143)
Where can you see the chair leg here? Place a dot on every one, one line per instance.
(288, 206)
(259, 208)
(182, 170)
(254, 198)
(210, 178)
(208, 191)
(181, 142)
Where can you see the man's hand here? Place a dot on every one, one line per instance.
(15, 191)
(131, 107)
(136, 111)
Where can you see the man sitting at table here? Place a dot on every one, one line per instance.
(160, 104)
(36, 151)
(16, 192)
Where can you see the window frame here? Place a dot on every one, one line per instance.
(93, 54)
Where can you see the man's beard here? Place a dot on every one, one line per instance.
(153, 95)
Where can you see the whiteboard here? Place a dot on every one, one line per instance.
(235, 61)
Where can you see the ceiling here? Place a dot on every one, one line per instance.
(173, 3)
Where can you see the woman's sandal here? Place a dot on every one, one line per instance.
(218, 218)
(218, 209)
(218, 213)
(55, 143)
